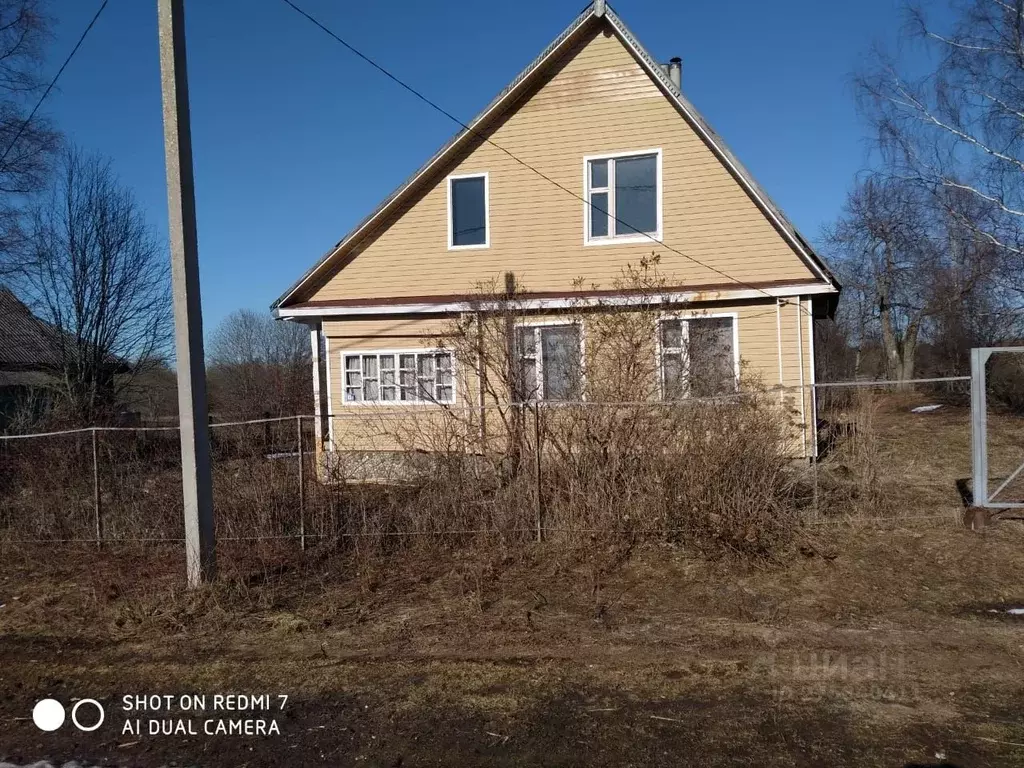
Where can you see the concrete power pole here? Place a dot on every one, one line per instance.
(196, 475)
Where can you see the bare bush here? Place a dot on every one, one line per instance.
(714, 475)
(853, 472)
(1006, 381)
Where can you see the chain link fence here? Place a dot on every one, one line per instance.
(879, 451)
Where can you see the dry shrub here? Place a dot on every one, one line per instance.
(609, 462)
(852, 472)
(714, 475)
(419, 498)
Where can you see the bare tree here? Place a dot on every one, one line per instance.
(95, 271)
(960, 126)
(259, 365)
(26, 147)
(911, 257)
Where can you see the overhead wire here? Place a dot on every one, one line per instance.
(52, 83)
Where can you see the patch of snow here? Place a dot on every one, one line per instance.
(925, 408)
(1011, 611)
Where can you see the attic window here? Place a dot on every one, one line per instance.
(467, 211)
(623, 197)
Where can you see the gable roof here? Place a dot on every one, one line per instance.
(592, 14)
(26, 342)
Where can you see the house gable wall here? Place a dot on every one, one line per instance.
(597, 99)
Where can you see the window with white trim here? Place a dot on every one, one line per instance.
(467, 211)
(550, 363)
(399, 377)
(698, 357)
(623, 197)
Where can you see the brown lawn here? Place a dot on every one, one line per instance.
(871, 643)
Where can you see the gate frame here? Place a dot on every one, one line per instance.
(979, 433)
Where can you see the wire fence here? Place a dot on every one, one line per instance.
(871, 452)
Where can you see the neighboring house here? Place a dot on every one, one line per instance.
(589, 161)
(32, 367)
(29, 361)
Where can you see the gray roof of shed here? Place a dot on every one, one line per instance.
(26, 342)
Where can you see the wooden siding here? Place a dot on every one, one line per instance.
(597, 99)
(760, 326)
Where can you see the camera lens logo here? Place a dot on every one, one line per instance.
(49, 715)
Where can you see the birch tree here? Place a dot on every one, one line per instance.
(959, 125)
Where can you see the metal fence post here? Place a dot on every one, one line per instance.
(979, 427)
(537, 472)
(814, 479)
(96, 500)
(302, 485)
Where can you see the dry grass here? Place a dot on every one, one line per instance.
(47, 489)
(893, 464)
(868, 645)
(642, 655)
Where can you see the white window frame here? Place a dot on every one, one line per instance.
(685, 317)
(537, 325)
(613, 239)
(418, 351)
(485, 175)
(330, 401)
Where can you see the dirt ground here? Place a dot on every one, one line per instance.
(870, 643)
(868, 646)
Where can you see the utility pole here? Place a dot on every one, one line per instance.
(196, 475)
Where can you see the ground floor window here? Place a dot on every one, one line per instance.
(550, 363)
(397, 377)
(698, 357)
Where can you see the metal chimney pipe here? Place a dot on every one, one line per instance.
(675, 72)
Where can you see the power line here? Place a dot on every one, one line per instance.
(32, 114)
(522, 162)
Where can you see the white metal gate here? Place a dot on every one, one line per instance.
(979, 434)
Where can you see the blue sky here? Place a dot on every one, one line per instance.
(295, 139)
